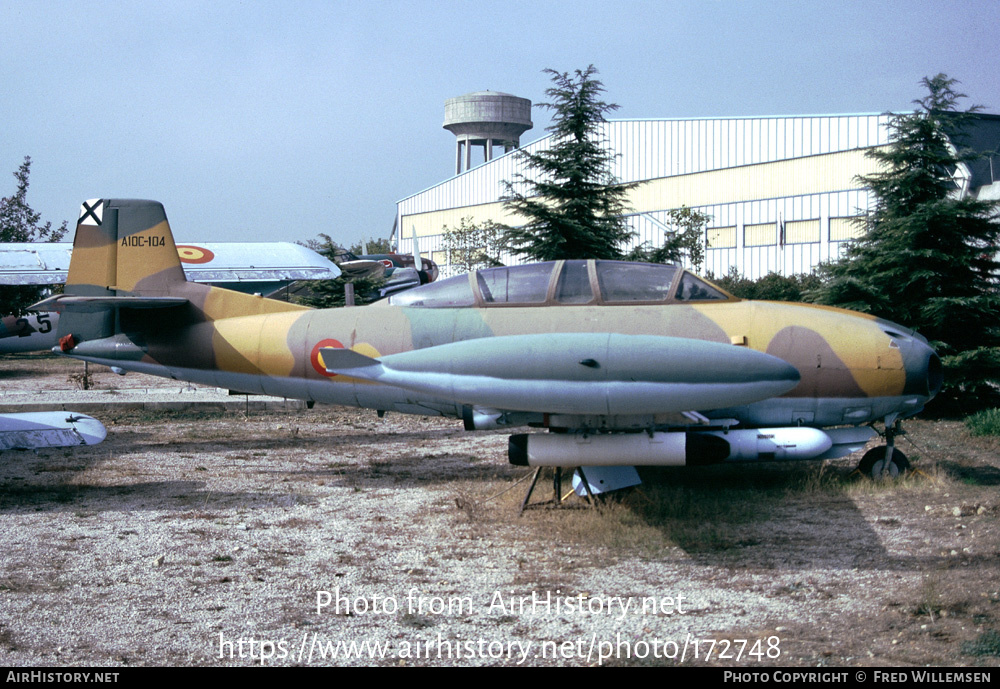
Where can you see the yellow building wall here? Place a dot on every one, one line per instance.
(795, 177)
(428, 224)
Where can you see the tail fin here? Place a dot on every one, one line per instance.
(123, 248)
(125, 263)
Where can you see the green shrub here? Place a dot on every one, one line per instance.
(986, 422)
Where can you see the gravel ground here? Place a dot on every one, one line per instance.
(204, 536)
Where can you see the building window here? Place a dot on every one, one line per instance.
(844, 229)
(722, 237)
(801, 231)
(764, 234)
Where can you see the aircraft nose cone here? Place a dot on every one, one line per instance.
(923, 369)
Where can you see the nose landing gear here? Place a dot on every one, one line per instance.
(885, 461)
(873, 464)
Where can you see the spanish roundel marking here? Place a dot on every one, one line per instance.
(194, 254)
(317, 361)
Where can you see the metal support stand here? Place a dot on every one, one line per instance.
(531, 489)
(556, 490)
(556, 501)
(591, 500)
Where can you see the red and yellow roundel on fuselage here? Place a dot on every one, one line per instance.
(316, 359)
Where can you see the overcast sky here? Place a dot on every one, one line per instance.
(281, 120)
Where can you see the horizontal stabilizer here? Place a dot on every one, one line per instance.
(61, 302)
(346, 360)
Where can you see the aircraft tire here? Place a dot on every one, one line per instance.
(872, 462)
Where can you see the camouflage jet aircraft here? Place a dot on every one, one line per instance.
(627, 363)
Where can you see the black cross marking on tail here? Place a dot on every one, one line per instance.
(91, 212)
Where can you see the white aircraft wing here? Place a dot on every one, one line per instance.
(32, 430)
(215, 262)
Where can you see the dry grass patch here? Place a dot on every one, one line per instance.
(697, 509)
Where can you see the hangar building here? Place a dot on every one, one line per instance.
(783, 192)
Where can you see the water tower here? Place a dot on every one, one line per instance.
(487, 119)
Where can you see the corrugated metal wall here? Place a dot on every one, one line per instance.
(697, 163)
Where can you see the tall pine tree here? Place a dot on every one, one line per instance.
(928, 258)
(573, 204)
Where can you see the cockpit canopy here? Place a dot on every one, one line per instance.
(564, 282)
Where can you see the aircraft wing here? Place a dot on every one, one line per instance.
(31, 430)
(215, 262)
(34, 263)
(221, 262)
(360, 268)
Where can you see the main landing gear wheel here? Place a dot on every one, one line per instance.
(873, 463)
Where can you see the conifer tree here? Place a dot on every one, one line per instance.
(928, 258)
(573, 204)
